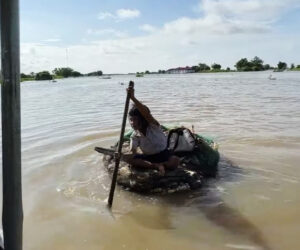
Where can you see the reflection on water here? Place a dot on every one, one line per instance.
(253, 203)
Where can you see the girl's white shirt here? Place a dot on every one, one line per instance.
(153, 142)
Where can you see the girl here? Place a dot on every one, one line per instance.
(149, 138)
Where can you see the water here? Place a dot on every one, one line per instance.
(253, 203)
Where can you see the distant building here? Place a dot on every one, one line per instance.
(181, 70)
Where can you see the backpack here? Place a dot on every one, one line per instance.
(181, 140)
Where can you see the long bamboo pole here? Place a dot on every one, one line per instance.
(12, 215)
(118, 154)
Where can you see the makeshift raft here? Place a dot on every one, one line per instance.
(194, 167)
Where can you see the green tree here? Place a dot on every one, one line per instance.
(282, 65)
(228, 69)
(266, 66)
(298, 66)
(216, 66)
(76, 74)
(147, 72)
(44, 75)
(203, 67)
(257, 64)
(195, 68)
(95, 73)
(292, 66)
(242, 65)
(64, 72)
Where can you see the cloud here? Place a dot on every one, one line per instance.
(147, 28)
(255, 10)
(52, 40)
(107, 32)
(120, 14)
(128, 13)
(38, 57)
(233, 17)
(214, 25)
(105, 15)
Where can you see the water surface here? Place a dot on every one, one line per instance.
(253, 203)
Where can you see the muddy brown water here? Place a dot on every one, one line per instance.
(253, 204)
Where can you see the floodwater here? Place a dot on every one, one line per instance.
(253, 204)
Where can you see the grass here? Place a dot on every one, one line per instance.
(57, 77)
(23, 79)
(27, 79)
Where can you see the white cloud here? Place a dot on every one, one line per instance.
(120, 14)
(214, 25)
(105, 15)
(233, 17)
(128, 13)
(238, 16)
(256, 10)
(147, 28)
(107, 32)
(37, 57)
(52, 40)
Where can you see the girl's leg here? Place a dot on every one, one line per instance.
(172, 162)
(143, 163)
(147, 164)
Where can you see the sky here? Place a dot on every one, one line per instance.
(118, 36)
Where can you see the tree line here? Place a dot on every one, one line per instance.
(57, 73)
(256, 64)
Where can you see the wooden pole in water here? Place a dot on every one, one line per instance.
(12, 215)
(118, 154)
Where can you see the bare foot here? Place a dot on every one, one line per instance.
(161, 169)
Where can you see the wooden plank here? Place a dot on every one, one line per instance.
(105, 151)
(12, 214)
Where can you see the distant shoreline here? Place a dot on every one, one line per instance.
(202, 72)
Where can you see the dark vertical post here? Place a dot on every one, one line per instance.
(12, 215)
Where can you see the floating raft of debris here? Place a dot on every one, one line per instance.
(194, 167)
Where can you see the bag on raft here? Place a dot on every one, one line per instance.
(181, 140)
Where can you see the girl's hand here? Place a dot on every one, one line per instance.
(130, 91)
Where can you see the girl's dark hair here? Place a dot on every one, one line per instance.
(135, 112)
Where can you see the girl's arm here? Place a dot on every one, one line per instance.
(142, 108)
